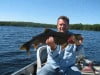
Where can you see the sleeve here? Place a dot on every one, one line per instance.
(69, 56)
(53, 53)
(69, 51)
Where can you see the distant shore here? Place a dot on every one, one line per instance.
(94, 27)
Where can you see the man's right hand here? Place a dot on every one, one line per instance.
(51, 43)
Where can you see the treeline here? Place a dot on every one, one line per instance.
(26, 24)
(94, 27)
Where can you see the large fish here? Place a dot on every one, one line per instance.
(60, 39)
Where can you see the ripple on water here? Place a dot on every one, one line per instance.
(11, 38)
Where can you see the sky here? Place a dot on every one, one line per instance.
(47, 11)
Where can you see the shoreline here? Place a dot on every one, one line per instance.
(94, 27)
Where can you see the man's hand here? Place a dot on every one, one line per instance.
(51, 43)
(74, 40)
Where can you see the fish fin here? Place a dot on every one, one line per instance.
(35, 46)
(64, 45)
(47, 30)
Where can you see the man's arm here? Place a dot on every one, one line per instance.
(52, 48)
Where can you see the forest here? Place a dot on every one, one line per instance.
(93, 27)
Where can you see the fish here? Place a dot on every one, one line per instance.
(60, 38)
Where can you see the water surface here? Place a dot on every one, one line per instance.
(11, 38)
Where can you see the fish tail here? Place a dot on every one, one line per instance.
(25, 46)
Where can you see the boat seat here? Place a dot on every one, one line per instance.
(41, 56)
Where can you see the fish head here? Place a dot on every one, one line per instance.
(75, 39)
(78, 39)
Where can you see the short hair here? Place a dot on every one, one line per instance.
(64, 18)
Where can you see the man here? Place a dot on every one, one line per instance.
(60, 61)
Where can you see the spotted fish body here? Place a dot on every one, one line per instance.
(59, 38)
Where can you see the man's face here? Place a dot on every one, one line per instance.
(62, 25)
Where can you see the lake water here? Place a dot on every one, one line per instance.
(11, 38)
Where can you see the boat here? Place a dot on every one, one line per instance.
(27, 70)
(35, 66)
